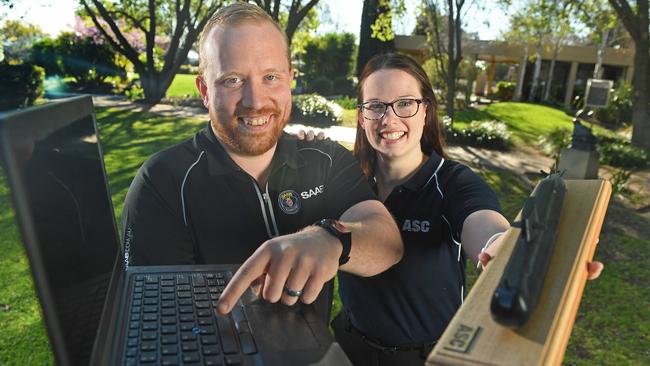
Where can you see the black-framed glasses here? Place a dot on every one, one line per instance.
(403, 108)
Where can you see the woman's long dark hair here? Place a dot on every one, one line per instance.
(432, 135)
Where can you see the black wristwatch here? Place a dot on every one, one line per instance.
(337, 229)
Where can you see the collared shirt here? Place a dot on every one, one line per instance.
(413, 301)
(192, 204)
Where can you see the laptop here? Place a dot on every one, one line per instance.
(97, 311)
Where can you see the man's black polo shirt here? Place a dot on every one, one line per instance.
(192, 204)
(413, 301)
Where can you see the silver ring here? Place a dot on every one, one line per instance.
(291, 292)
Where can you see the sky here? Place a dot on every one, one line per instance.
(344, 16)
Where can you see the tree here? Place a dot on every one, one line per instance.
(377, 40)
(328, 63)
(452, 12)
(18, 38)
(179, 21)
(635, 19)
(291, 20)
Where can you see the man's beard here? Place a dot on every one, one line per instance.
(243, 142)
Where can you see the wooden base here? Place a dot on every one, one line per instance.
(474, 338)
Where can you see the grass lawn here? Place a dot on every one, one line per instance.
(613, 323)
(183, 85)
(527, 122)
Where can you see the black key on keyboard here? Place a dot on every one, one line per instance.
(148, 357)
(170, 360)
(149, 335)
(169, 329)
(233, 360)
(169, 350)
(190, 346)
(248, 346)
(169, 339)
(191, 357)
(208, 340)
(167, 320)
(198, 280)
(211, 350)
(228, 341)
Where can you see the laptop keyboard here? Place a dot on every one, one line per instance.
(172, 321)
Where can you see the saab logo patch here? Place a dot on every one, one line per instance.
(312, 192)
(289, 202)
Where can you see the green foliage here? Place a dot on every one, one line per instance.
(622, 155)
(45, 54)
(619, 179)
(87, 61)
(382, 28)
(134, 92)
(20, 85)
(16, 39)
(435, 72)
(619, 110)
(487, 134)
(315, 110)
(346, 102)
(327, 63)
(505, 90)
(554, 142)
(83, 58)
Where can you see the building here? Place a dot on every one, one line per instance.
(573, 66)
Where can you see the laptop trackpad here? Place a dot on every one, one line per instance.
(281, 327)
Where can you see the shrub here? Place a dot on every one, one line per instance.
(327, 62)
(619, 110)
(45, 54)
(555, 141)
(619, 180)
(20, 85)
(89, 62)
(346, 102)
(343, 86)
(622, 155)
(487, 134)
(505, 90)
(322, 85)
(315, 110)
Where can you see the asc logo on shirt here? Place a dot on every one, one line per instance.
(416, 226)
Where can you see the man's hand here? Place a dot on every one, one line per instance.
(303, 261)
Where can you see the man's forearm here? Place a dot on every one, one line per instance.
(376, 242)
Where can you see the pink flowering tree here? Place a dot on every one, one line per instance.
(154, 35)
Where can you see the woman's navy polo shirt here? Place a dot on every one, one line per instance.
(413, 301)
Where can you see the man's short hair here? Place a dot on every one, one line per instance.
(236, 14)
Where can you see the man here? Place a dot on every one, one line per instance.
(242, 188)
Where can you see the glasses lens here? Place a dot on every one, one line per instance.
(374, 110)
(405, 107)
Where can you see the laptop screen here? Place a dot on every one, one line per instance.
(65, 213)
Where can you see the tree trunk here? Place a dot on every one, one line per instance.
(641, 94)
(368, 46)
(538, 68)
(598, 68)
(521, 73)
(636, 24)
(549, 78)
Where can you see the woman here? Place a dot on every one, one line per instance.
(445, 212)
